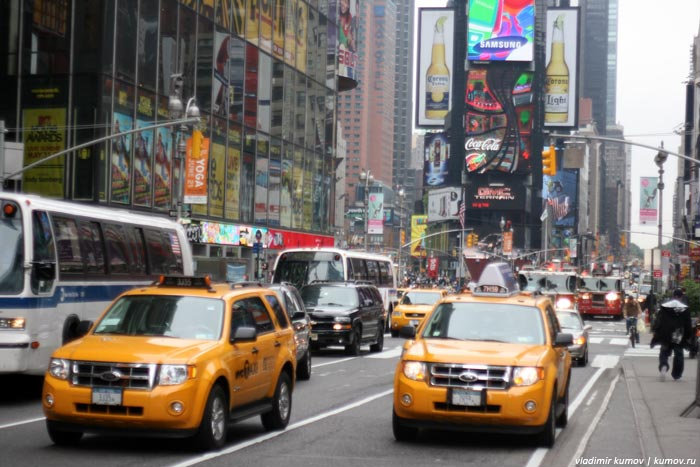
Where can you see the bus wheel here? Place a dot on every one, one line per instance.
(70, 328)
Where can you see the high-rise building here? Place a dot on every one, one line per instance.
(403, 102)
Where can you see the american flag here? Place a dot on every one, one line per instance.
(560, 206)
(461, 213)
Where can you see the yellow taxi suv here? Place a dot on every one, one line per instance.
(413, 305)
(493, 360)
(182, 358)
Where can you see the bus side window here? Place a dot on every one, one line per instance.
(138, 250)
(70, 257)
(373, 272)
(349, 270)
(174, 252)
(117, 252)
(358, 268)
(389, 278)
(93, 249)
(43, 246)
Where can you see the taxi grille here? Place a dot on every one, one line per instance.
(109, 409)
(415, 315)
(118, 375)
(475, 376)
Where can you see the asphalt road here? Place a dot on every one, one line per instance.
(342, 417)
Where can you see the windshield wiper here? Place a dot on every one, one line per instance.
(333, 304)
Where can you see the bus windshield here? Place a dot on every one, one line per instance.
(303, 267)
(11, 253)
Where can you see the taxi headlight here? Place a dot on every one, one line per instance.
(414, 370)
(527, 375)
(611, 296)
(59, 368)
(173, 374)
(564, 303)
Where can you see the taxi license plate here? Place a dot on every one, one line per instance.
(414, 322)
(313, 336)
(467, 397)
(107, 396)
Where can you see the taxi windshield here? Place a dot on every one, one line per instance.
(420, 298)
(164, 315)
(494, 322)
(569, 321)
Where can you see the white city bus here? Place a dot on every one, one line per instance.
(301, 266)
(63, 262)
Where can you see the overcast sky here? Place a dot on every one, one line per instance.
(654, 40)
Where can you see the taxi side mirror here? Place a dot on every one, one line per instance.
(563, 339)
(244, 334)
(407, 332)
(83, 328)
(299, 315)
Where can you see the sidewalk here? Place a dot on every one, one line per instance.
(666, 427)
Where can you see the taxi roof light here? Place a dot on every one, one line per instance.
(497, 280)
(194, 282)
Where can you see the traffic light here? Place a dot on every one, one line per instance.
(549, 161)
(623, 240)
(470, 242)
(475, 239)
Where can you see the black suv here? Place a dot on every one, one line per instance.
(345, 313)
(301, 322)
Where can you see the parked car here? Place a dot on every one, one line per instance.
(301, 322)
(571, 322)
(350, 314)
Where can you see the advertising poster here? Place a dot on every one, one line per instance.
(443, 204)
(252, 21)
(561, 193)
(196, 171)
(375, 221)
(496, 195)
(273, 217)
(278, 18)
(433, 267)
(348, 19)
(494, 142)
(286, 193)
(221, 73)
(560, 85)
(307, 195)
(648, 202)
(302, 22)
(261, 185)
(290, 37)
(238, 17)
(121, 160)
(435, 158)
(44, 135)
(143, 163)
(233, 182)
(501, 30)
(419, 224)
(216, 181)
(434, 80)
(163, 162)
(266, 25)
(297, 200)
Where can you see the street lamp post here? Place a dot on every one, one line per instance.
(368, 178)
(660, 158)
(402, 195)
(502, 225)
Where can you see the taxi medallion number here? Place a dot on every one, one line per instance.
(467, 397)
(107, 396)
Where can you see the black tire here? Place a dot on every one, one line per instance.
(62, 437)
(394, 333)
(401, 431)
(563, 418)
(546, 437)
(214, 426)
(379, 345)
(304, 367)
(354, 347)
(278, 417)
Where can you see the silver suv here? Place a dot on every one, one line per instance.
(294, 306)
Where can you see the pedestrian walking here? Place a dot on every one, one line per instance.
(672, 331)
(631, 311)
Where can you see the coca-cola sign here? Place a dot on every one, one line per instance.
(488, 144)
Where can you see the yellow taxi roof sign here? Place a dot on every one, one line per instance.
(497, 280)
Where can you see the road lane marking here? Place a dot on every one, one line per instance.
(618, 341)
(590, 399)
(391, 353)
(594, 422)
(537, 456)
(595, 340)
(24, 422)
(274, 434)
(319, 365)
(605, 361)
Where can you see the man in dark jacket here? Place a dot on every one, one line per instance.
(672, 330)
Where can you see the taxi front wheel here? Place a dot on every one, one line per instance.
(546, 437)
(214, 426)
(401, 431)
(62, 437)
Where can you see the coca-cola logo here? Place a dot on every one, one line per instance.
(488, 144)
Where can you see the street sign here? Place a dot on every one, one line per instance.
(544, 215)
(257, 246)
(184, 213)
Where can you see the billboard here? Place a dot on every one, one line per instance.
(560, 84)
(443, 204)
(433, 83)
(419, 223)
(495, 195)
(435, 156)
(498, 120)
(348, 19)
(648, 202)
(501, 30)
(44, 135)
(561, 193)
(120, 166)
(375, 221)
(196, 170)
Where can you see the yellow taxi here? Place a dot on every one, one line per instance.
(181, 358)
(413, 305)
(493, 360)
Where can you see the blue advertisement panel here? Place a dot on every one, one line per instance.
(435, 156)
(501, 30)
(561, 193)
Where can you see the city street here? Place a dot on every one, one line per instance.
(342, 417)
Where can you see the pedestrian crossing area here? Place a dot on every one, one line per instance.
(614, 333)
(645, 351)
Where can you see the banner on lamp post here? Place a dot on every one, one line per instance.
(375, 223)
(648, 202)
(196, 169)
(507, 243)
